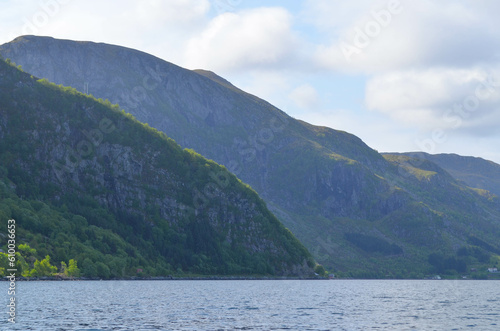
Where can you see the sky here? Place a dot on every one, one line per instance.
(402, 75)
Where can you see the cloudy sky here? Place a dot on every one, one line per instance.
(402, 75)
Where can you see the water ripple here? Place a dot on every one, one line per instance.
(257, 305)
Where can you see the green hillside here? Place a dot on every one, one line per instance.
(360, 213)
(473, 171)
(86, 181)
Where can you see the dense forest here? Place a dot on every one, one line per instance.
(179, 213)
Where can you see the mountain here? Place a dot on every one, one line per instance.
(87, 181)
(360, 213)
(473, 171)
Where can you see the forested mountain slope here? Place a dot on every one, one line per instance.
(358, 212)
(85, 180)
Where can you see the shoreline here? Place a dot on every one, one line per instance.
(172, 278)
(222, 278)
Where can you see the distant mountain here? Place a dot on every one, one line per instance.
(475, 172)
(85, 180)
(360, 213)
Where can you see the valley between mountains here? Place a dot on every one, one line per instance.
(141, 197)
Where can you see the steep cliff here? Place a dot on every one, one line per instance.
(87, 158)
(358, 212)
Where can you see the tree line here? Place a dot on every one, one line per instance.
(27, 265)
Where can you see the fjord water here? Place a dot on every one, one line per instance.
(257, 305)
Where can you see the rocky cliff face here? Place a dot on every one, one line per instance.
(325, 185)
(66, 148)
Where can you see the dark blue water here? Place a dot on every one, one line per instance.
(256, 305)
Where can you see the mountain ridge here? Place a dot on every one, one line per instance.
(474, 171)
(128, 181)
(330, 188)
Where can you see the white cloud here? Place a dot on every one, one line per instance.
(417, 35)
(428, 58)
(332, 17)
(442, 97)
(305, 96)
(423, 69)
(398, 90)
(158, 27)
(259, 37)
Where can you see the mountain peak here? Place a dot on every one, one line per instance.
(348, 204)
(131, 184)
